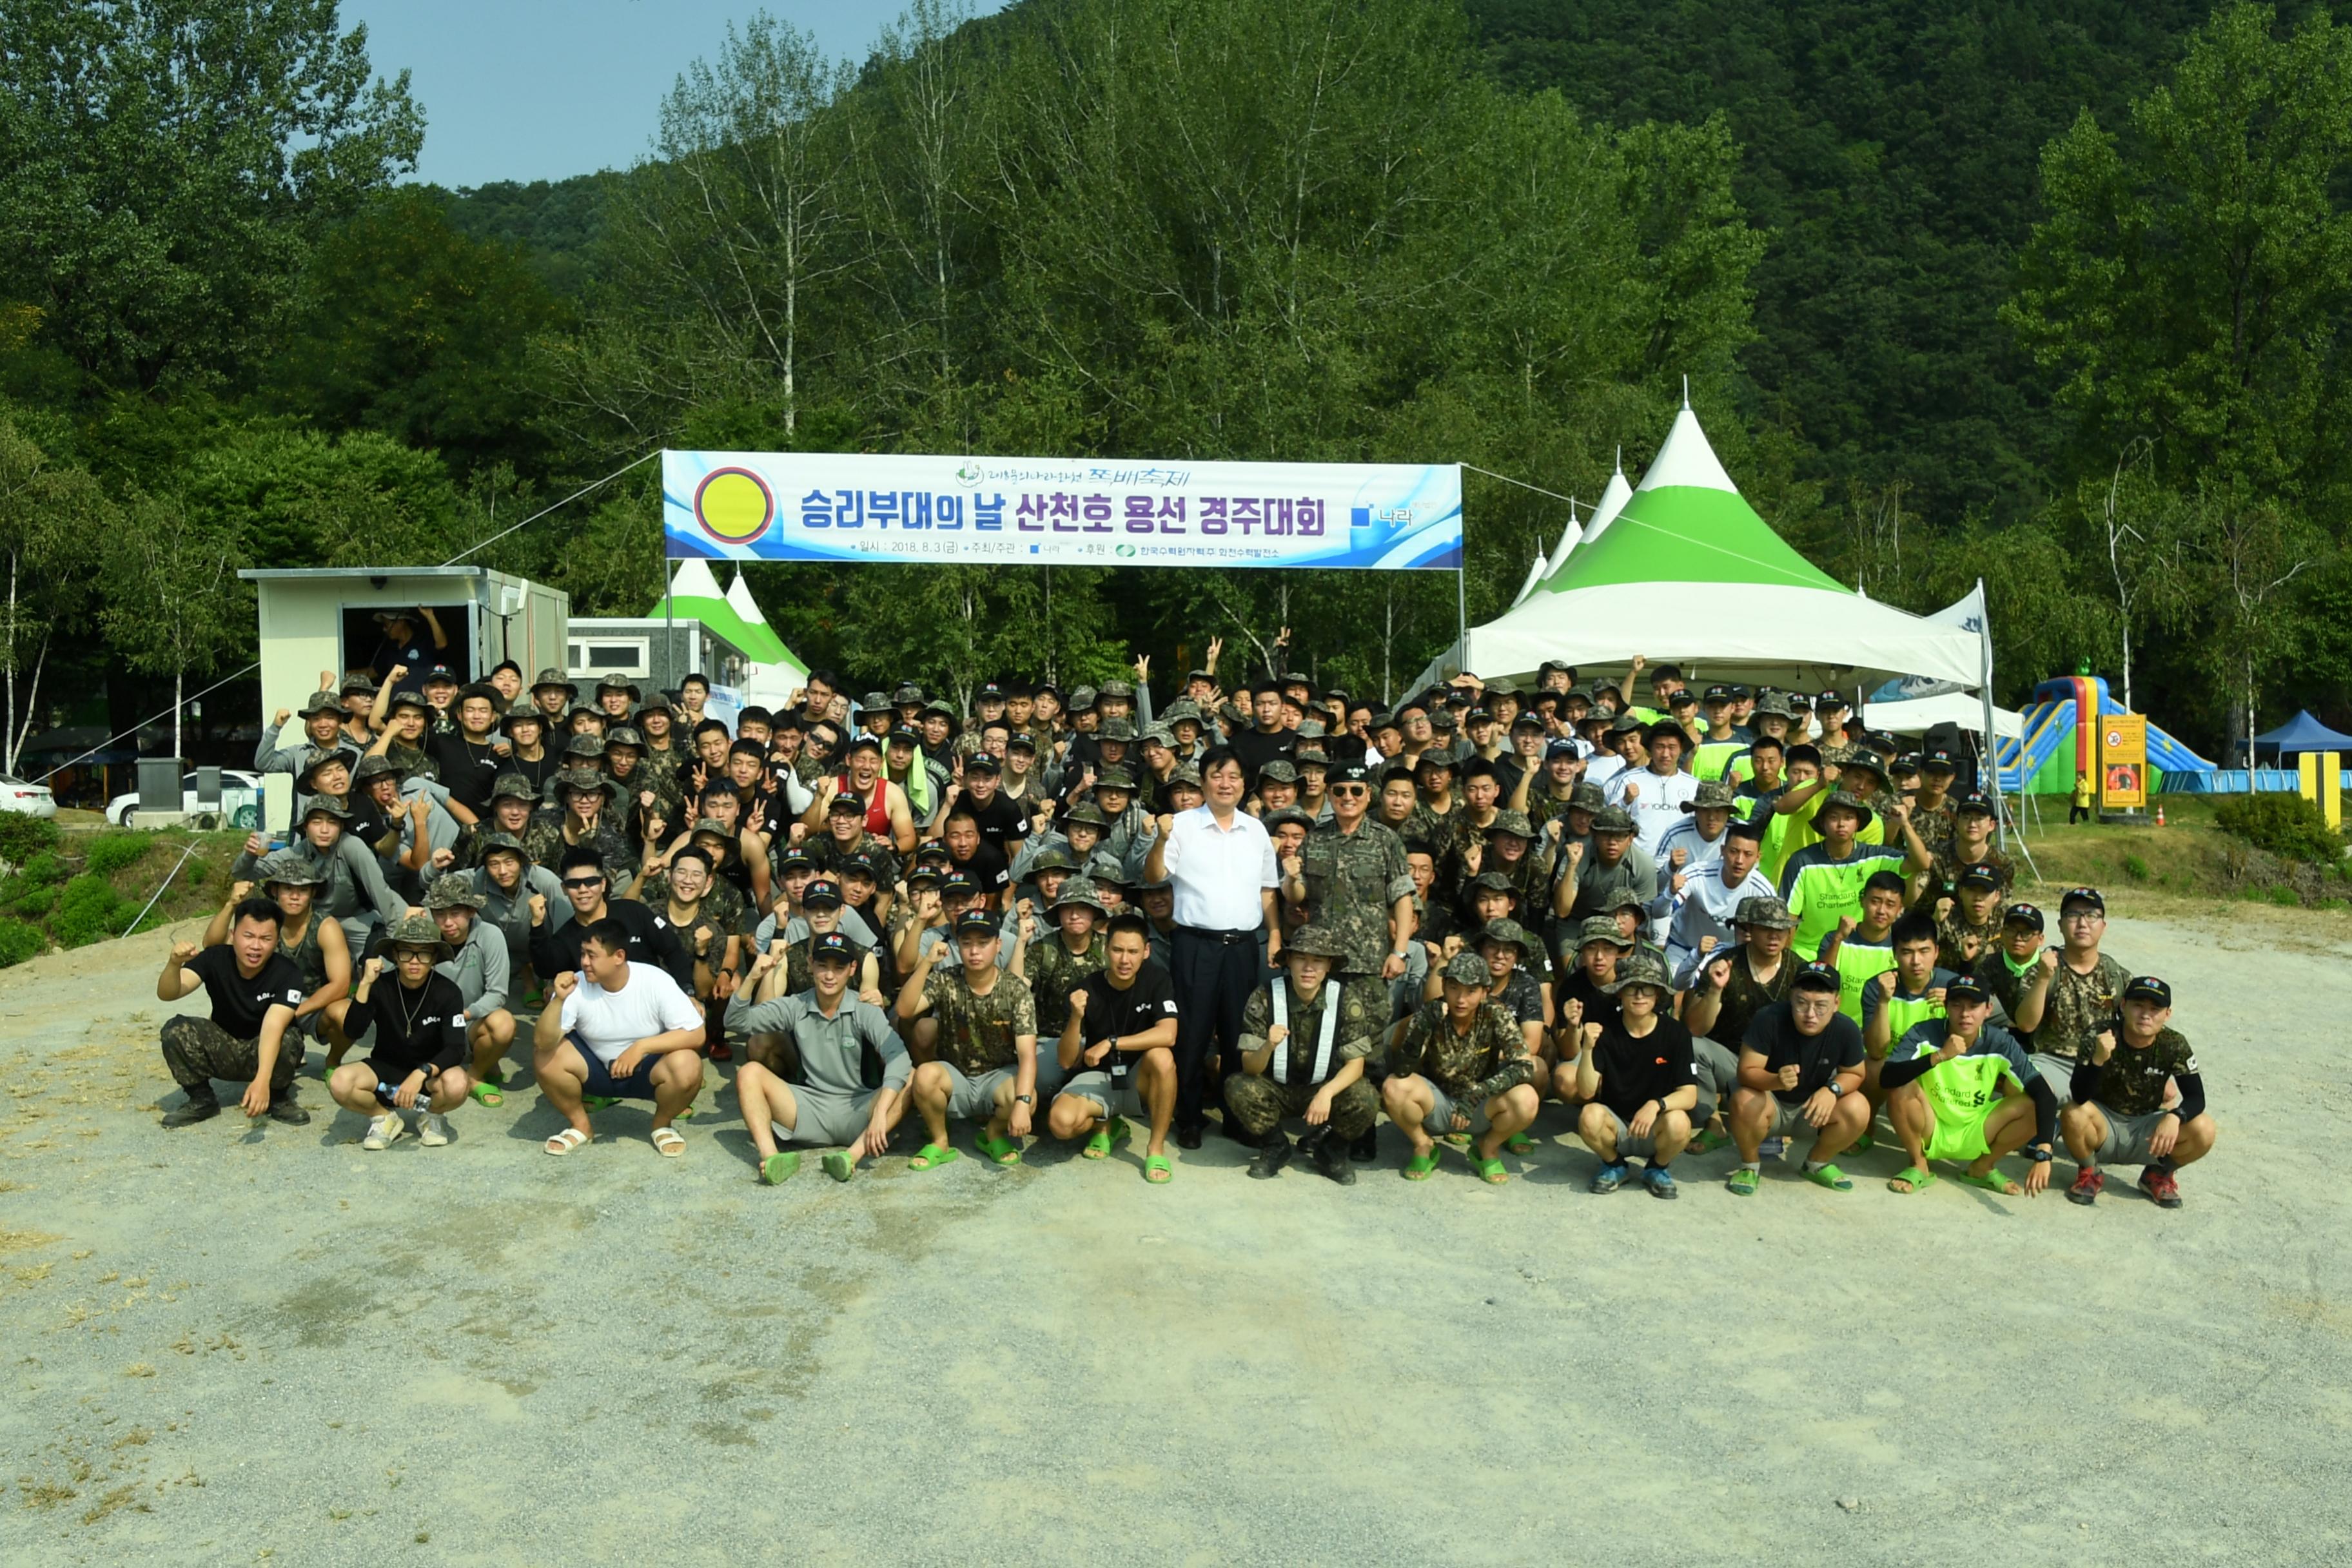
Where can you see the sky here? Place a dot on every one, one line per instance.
(541, 90)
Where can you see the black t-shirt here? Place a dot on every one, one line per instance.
(469, 769)
(1599, 1008)
(1636, 1070)
(1818, 1058)
(1256, 748)
(403, 663)
(239, 1003)
(987, 869)
(1111, 1011)
(1003, 825)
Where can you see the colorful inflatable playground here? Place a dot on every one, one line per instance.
(2061, 741)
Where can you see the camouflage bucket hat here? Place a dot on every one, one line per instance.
(1468, 969)
(624, 735)
(1289, 814)
(584, 746)
(1853, 803)
(587, 779)
(494, 842)
(1115, 778)
(1639, 969)
(375, 766)
(1586, 796)
(1602, 927)
(1078, 891)
(1513, 933)
(1764, 914)
(287, 870)
(1115, 729)
(319, 758)
(1514, 823)
(1278, 771)
(1613, 819)
(711, 826)
(1711, 794)
(1315, 941)
(1054, 859)
(1086, 814)
(512, 787)
(453, 889)
(416, 931)
(320, 703)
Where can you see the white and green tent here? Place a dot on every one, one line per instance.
(1686, 572)
(695, 595)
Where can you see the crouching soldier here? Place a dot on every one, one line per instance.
(1304, 1043)
(841, 1081)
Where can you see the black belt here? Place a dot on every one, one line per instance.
(1223, 938)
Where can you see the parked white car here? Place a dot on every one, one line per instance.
(240, 801)
(32, 799)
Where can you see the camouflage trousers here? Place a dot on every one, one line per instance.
(1259, 1104)
(197, 1050)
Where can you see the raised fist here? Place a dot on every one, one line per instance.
(283, 714)
(566, 984)
(1718, 973)
(183, 951)
(238, 892)
(1680, 857)
(1078, 1003)
(539, 909)
(1886, 983)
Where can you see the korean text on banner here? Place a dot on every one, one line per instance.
(2122, 761)
(1049, 511)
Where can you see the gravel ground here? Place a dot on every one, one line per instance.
(228, 1345)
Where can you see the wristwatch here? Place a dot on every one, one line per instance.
(1026, 1099)
(2037, 1154)
(1837, 1088)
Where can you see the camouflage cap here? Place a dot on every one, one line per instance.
(585, 780)
(556, 678)
(325, 805)
(1613, 819)
(320, 703)
(1078, 891)
(1157, 735)
(1118, 730)
(1181, 709)
(1586, 796)
(1773, 705)
(410, 698)
(512, 787)
(1493, 883)
(1312, 757)
(1082, 699)
(1288, 815)
(319, 757)
(1514, 823)
(1115, 778)
(622, 735)
(1639, 968)
(285, 868)
(453, 889)
(1625, 899)
(1468, 969)
(376, 765)
(1712, 794)
(1512, 932)
(1763, 914)
(1602, 927)
(1054, 859)
(523, 712)
(1315, 941)
(908, 695)
(416, 931)
(1854, 803)
(357, 681)
(1116, 689)
(1279, 771)
(711, 826)
(493, 842)
(584, 746)
(1087, 814)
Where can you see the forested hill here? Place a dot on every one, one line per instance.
(1893, 149)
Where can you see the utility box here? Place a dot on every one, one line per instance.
(322, 619)
(160, 789)
(208, 789)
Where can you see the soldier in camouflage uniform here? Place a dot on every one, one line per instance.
(403, 737)
(584, 820)
(2083, 989)
(2122, 1083)
(845, 835)
(1061, 963)
(721, 905)
(1969, 842)
(1971, 927)
(1932, 809)
(1461, 1066)
(1304, 1044)
(982, 1026)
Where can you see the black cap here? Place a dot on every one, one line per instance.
(1818, 977)
(1975, 802)
(846, 803)
(864, 738)
(1938, 763)
(975, 922)
(1966, 986)
(981, 763)
(2091, 895)
(1348, 773)
(831, 944)
(1984, 874)
(2147, 988)
(1718, 694)
(2022, 915)
(824, 890)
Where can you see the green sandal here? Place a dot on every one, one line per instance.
(1418, 1167)
(1490, 1169)
(1519, 1143)
(1107, 1137)
(485, 1092)
(1707, 1142)
(840, 1165)
(1993, 1182)
(1919, 1180)
(1742, 1182)
(1862, 1145)
(1830, 1177)
(1002, 1151)
(1158, 1170)
(932, 1156)
(598, 1101)
(780, 1168)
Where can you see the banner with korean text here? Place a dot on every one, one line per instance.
(1054, 511)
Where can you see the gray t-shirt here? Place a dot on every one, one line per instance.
(848, 1054)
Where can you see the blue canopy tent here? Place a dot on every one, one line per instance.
(2299, 734)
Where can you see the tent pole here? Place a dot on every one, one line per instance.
(1462, 614)
(669, 619)
(1992, 736)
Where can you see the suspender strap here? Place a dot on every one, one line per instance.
(1331, 1031)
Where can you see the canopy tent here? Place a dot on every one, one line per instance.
(1918, 715)
(734, 614)
(1612, 502)
(2301, 733)
(1686, 570)
(1535, 575)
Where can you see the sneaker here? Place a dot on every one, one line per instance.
(1661, 1182)
(2160, 1186)
(2087, 1182)
(433, 1129)
(1772, 1149)
(288, 1112)
(1609, 1177)
(385, 1131)
(197, 1108)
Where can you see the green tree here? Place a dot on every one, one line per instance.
(165, 166)
(176, 605)
(51, 517)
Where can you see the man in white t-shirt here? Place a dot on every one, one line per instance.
(617, 1030)
(1654, 794)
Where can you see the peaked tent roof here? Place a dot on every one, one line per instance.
(1687, 571)
(1612, 502)
(2303, 734)
(695, 595)
(771, 649)
(1535, 575)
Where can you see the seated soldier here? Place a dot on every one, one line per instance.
(1959, 1087)
(1584, 996)
(1638, 1078)
(416, 1061)
(1799, 1067)
(1863, 948)
(2118, 1115)
(254, 990)
(1118, 1051)
(617, 1030)
(507, 882)
(1305, 1041)
(2017, 973)
(1058, 963)
(478, 964)
(986, 1066)
(314, 943)
(1909, 994)
(1725, 992)
(840, 1079)
(1461, 1066)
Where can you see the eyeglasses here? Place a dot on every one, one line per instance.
(584, 881)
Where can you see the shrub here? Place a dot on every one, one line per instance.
(2135, 868)
(112, 852)
(34, 902)
(90, 911)
(22, 838)
(45, 869)
(19, 942)
(2287, 826)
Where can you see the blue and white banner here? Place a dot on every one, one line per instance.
(1055, 511)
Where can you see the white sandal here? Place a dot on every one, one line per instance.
(669, 1142)
(565, 1142)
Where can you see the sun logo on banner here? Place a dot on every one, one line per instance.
(733, 505)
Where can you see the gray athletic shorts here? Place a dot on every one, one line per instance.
(974, 1098)
(1789, 1121)
(1644, 1148)
(1096, 1086)
(1718, 1075)
(828, 1121)
(1441, 1113)
(2127, 1140)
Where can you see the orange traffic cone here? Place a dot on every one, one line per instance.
(2159, 814)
